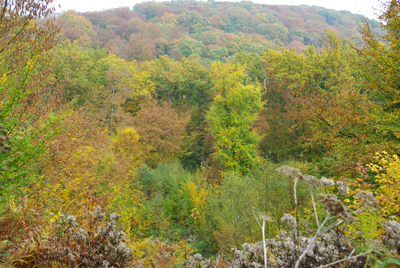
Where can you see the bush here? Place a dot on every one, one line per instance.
(233, 205)
(101, 244)
(169, 202)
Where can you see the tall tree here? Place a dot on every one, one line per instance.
(234, 110)
(321, 94)
(350, 114)
(380, 71)
(160, 132)
(80, 70)
(29, 98)
(77, 27)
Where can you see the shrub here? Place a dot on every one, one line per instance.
(100, 244)
(232, 206)
(387, 168)
(283, 252)
(169, 201)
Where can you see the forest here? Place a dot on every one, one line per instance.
(199, 134)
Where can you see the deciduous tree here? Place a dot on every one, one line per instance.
(29, 98)
(234, 110)
(160, 131)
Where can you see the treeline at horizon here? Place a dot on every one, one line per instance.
(212, 30)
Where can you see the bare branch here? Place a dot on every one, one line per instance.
(346, 259)
(312, 242)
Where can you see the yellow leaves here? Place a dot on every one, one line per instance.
(169, 19)
(194, 213)
(232, 115)
(227, 76)
(123, 74)
(3, 80)
(55, 217)
(30, 63)
(127, 202)
(65, 194)
(126, 132)
(264, 17)
(142, 85)
(152, 253)
(387, 168)
(127, 142)
(199, 196)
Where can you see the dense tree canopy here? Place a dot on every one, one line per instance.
(211, 30)
(139, 136)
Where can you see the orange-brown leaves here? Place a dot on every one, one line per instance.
(85, 169)
(80, 132)
(77, 27)
(160, 131)
(322, 96)
(18, 29)
(23, 41)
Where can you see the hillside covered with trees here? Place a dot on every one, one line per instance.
(199, 134)
(212, 30)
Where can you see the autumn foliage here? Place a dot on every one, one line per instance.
(181, 134)
(213, 31)
(160, 131)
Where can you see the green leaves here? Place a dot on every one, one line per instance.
(325, 99)
(379, 65)
(367, 224)
(231, 117)
(29, 98)
(80, 71)
(191, 46)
